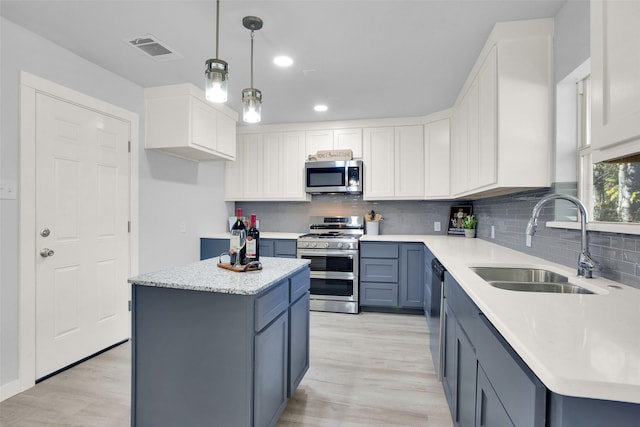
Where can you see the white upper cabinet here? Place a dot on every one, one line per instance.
(253, 178)
(409, 162)
(394, 163)
(615, 76)
(269, 167)
(318, 140)
(348, 139)
(436, 159)
(292, 172)
(475, 142)
(334, 139)
(501, 138)
(379, 164)
(179, 121)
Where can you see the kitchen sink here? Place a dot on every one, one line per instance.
(528, 280)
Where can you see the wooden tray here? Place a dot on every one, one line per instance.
(252, 266)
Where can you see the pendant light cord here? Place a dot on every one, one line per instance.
(217, 25)
(252, 32)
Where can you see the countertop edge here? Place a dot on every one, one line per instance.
(263, 235)
(162, 278)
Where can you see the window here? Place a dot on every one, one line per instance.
(611, 188)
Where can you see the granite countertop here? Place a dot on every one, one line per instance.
(578, 345)
(263, 235)
(206, 276)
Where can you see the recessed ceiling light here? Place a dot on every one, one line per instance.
(282, 61)
(320, 107)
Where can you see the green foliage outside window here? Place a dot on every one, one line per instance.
(616, 192)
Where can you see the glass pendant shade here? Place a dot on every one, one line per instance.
(251, 105)
(216, 80)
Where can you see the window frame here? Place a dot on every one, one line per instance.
(584, 158)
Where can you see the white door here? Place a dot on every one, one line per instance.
(82, 199)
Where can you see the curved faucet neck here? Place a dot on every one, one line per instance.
(584, 262)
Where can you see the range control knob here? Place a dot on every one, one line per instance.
(326, 244)
(340, 244)
(313, 244)
(305, 244)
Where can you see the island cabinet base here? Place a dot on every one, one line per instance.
(214, 359)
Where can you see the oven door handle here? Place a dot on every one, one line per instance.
(324, 253)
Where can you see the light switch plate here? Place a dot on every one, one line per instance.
(436, 226)
(8, 190)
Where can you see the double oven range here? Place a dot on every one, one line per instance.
(332, 246)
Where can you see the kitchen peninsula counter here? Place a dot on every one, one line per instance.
(584, 346)
(215, 347)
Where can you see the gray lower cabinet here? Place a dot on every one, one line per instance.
(279, 248)
(392, 275)
(212, 359)
(489, 409)
(210, 248)
(298, 342)
(412, 275)
(285, 248)
(270, 376)
(485, 382)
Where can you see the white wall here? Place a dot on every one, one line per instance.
(572, 37)
(571, 49)
(171, 190)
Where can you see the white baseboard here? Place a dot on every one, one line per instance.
(9, 389)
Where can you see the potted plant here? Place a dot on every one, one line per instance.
(469, 224)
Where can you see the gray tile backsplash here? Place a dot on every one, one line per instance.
(399, 217)
(618, 254)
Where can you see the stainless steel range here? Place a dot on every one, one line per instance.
(332, 247)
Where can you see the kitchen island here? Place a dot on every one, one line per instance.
(212, 347)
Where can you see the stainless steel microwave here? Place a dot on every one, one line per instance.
(334, 177)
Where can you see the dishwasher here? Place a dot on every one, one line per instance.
(435, 316)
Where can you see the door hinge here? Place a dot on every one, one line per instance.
(129, 305)
(129, 146)
(128, 226)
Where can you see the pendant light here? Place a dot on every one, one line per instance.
(216, 72)
(251, 97)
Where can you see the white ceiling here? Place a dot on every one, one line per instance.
(363, 58)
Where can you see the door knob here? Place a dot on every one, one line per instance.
(45, 232)
(46, 252)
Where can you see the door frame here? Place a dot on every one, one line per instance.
(30, 85)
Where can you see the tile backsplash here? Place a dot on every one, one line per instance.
(399, 217)
(618, 254)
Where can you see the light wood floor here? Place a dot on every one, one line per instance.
(369, 369)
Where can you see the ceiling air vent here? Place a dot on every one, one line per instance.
(153, 47)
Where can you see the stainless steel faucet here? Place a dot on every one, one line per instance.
(586, 264)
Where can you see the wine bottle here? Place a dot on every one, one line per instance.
(253, 240)
(238, 240)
